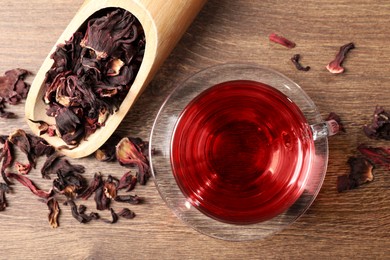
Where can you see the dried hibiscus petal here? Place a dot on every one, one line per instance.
(54, 211)
(377, 155)
(128, 153)
(110, 187)
(29, 184)
(102, 201)
(114, 217)
(380, 125)
(361, 172)
(128, 182)
(94, 184)
(12, 86)
(131, 199)
(56, 164)
(6, 157)
(19, 138)
(281, 40)
(126, 213)
(3, 190)
(335, 66)
(80, 215)
(295, 60)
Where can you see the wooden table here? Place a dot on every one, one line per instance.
(354, 224)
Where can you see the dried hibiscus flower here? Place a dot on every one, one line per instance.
(377, 155)
(361, 172)
(92, 187)
(335, 66)
(92, 74)
(12, 88)
(380, 125)
(295, 60)
(281, 40)
(29, 184)
(128, 153)
(127, 181)
(54, 211)
(126, 213)
(3, 190)
(79, 213)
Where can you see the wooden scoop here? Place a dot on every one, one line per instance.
(164, 22)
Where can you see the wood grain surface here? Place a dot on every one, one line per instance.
(354, 224)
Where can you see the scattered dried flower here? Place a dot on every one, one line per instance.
(54, 211)
(128, 182)
(361, 172)
(377, 155)
(29, 184)
(126, 213)
(12, 89)
(295, 60)
(281, 40)
(128, 153)
(3, 190)
(114, 217)
(380, 125)
(335, 66)
(131, 199)
(79, 214)
(93, 185)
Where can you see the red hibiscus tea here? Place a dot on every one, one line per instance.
(241, 152)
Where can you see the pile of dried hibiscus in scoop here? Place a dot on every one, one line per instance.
(68, 182)
(92, 74)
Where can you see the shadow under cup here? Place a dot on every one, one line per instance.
(237, 159)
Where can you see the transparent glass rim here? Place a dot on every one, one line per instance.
(161, 135)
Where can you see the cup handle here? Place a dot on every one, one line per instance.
(324, 129)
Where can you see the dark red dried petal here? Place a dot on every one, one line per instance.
(281, 40)
(81, 216)
(54, 212)
(94, 184)
(12, 86)
(128, 153)
(7, 158)
(297, 64)
(360, 173)
(128, 181)
(3, 190)
(335, 66)
(380, 156)
(131, 199)
(380, 125)
(102, 202)
(29, 184)
(114, 217)
(126, 213)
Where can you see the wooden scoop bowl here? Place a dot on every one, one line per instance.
(164, 22)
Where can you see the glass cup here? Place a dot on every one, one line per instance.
(242, 151)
